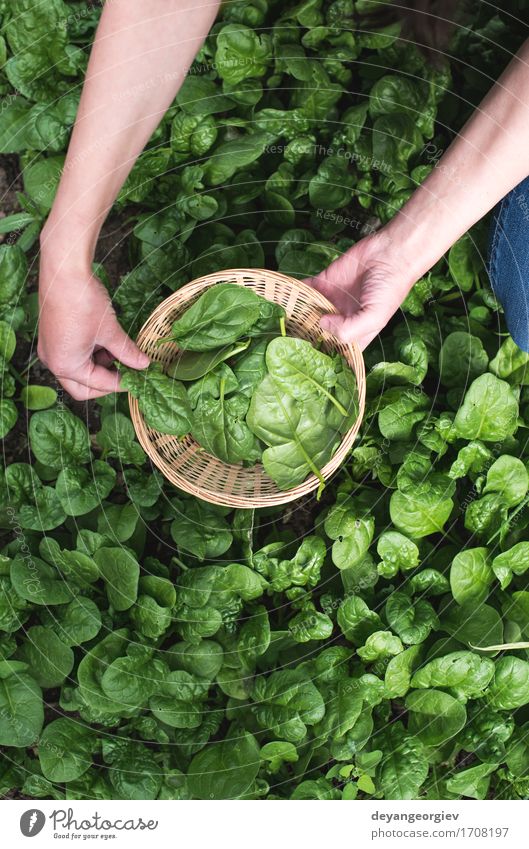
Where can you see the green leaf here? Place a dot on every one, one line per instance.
(489, 410)
(402, 410)
(405, 767)
(463, 671)
(92, 667)
(201, 529)
(65, 750)
(461, 359)
(8, 416)
(225, 770)
(514, 561)
(219, 317)
(356, 620)
(41, 179)
(39, 583)
(461, 262)
(120, 571)
(471, 623)
(421, 510)
(38, 397)
(412, 621)
(241, 53)
(117, 439)
(472, 783)
(397, 552)
(509, 688)
(59, 439)
(50, 660)
(434, 716)
(220, 427)
(76, 622)
(471, 576)
(508, 476)
(21, 710)
(162, 400)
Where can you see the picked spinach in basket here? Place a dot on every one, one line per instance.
(247, 392)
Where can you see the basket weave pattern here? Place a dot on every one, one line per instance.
(183, 461)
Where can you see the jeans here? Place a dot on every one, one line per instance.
(508, 260)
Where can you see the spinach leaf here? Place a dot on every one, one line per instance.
(489, 411)
(435, 716)
(65, 750)
(162, 400)
(219, 317)
(50, 660)
(80, 491)
(191, 365)
(301, 370)
(21, 710)
(225, 770)
(250, 368)
(58, 438)
(120, 571)
(299, 440)
(220, 427)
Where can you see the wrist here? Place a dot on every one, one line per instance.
(68, 241)
(387, 248)
(64, 274)
(429, 223)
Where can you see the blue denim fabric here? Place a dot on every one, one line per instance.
(508, 260)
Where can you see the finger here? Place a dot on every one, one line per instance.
(322, 285)
(364, 341)
(123, 348)
(78, 391)
(101, 378)
(353, 327)
(96, 377)
(103, 358)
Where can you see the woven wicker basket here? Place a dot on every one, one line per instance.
(183, 461)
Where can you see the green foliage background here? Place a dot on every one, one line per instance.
(369, 645)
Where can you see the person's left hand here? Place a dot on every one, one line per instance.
(367, 285)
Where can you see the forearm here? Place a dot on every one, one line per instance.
(487, 159)
(139, 59)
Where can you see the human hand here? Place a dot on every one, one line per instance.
(367, 284)
(79, 334)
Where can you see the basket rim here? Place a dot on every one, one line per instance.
(186, 294)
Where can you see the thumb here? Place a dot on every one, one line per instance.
(351, 328)
(124, 349)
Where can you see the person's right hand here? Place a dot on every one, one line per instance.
(367, 285)
(79, 334)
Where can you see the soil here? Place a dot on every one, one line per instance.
(10, 183)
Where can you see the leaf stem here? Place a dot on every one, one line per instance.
(18, 377)
(341, 409)
(30, 365)
(509, 519)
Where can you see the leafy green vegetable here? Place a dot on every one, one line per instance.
(21, 709)
(162, 401)
(220, 427)
(191, 365)
(219, 317)
(489, 410)
(225, 770)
